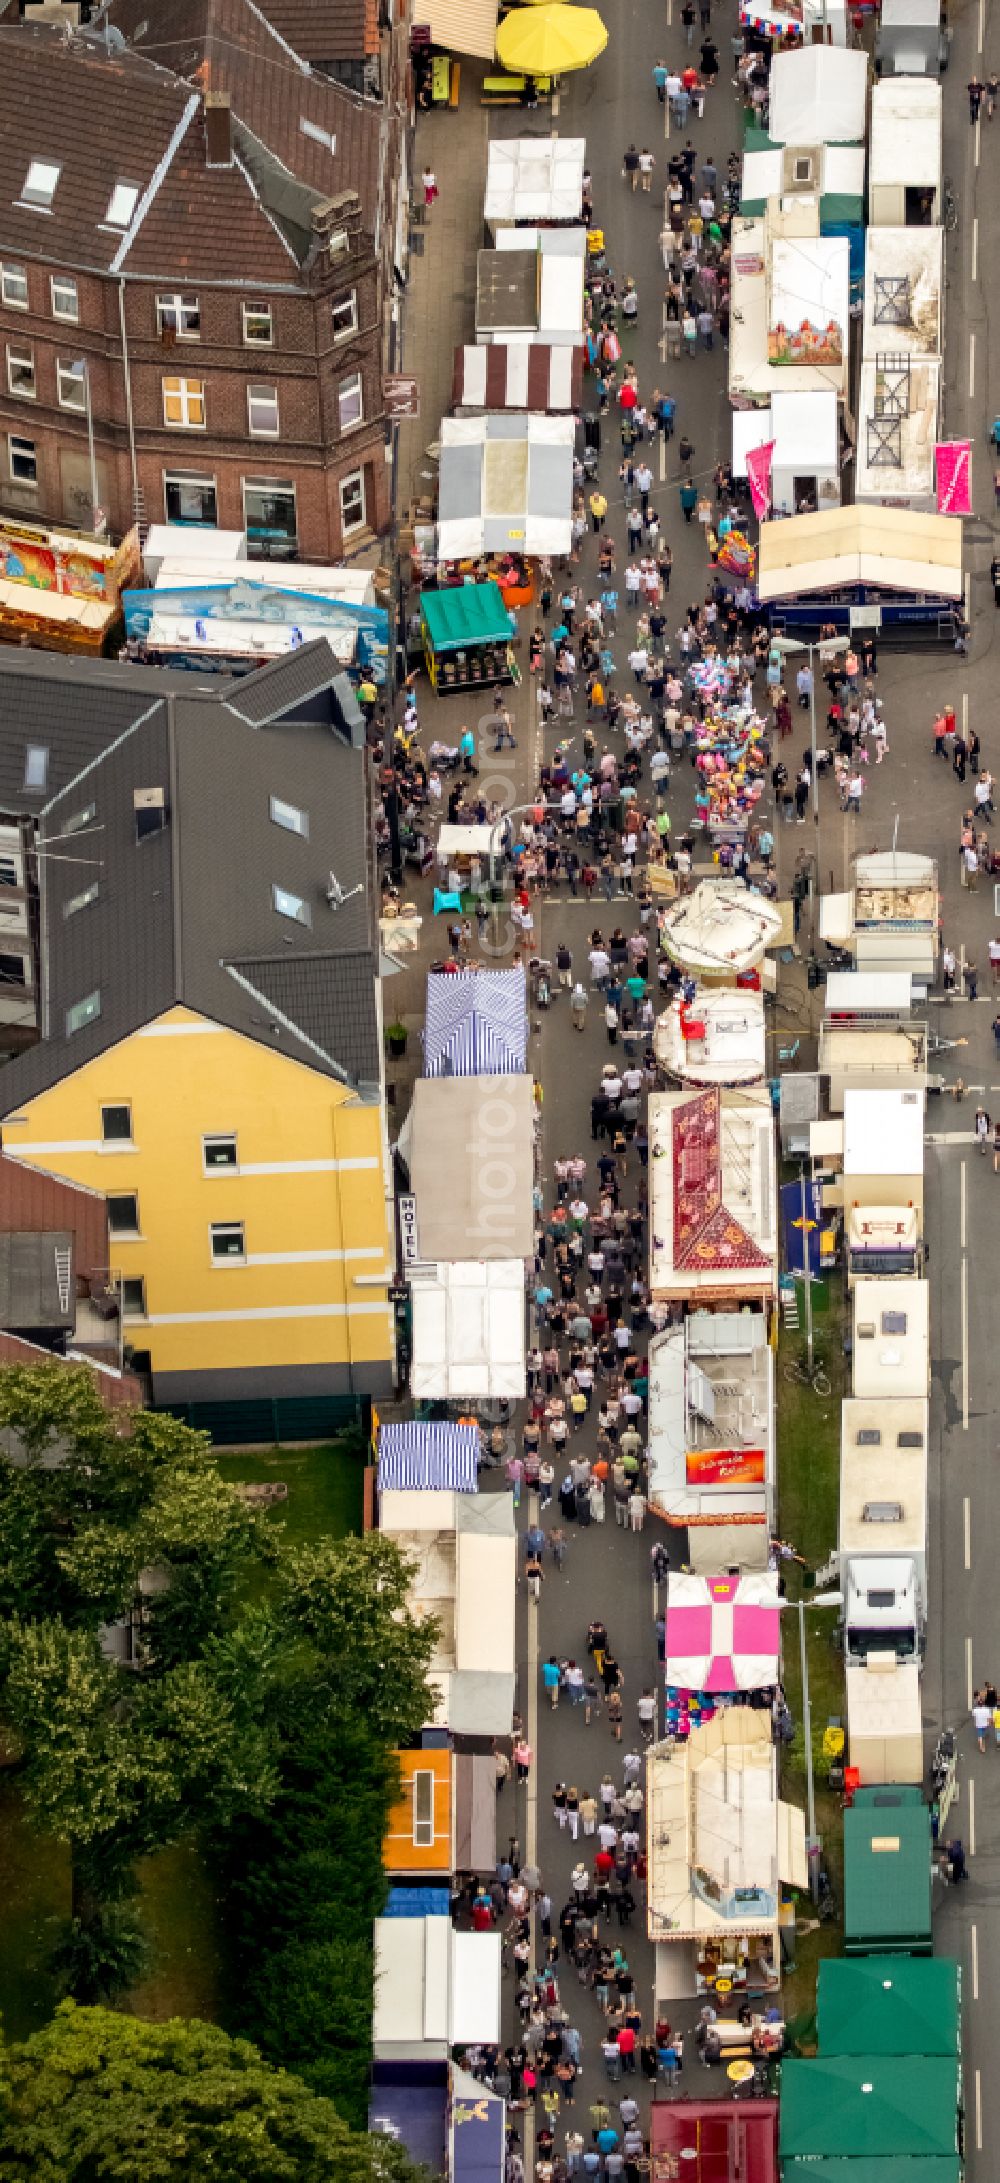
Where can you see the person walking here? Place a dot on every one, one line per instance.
(630, 166)
(578, 1006)
(981, 1719)
(975, 89)
(688, 498)
(598, 509)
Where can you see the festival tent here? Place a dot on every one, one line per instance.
(818, 96)
(462, 26)
(468, 1330)
(469, 1145)
(723, 1633)
(888, 2005)
(476, 1023)
(894, 547)
(854, 2106)
(535, 178)
(505, 481)
(434, 1987)
(417, 1456)
(518, 375)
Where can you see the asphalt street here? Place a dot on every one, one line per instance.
(913, 798)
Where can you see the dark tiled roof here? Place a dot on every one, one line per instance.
(326, 30)
(226, 45)
(284, 683)
(174, 910)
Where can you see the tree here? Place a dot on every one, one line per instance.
(102, 2098)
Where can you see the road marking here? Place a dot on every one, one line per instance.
(963, 1217)
(965, 1345)
(975, 1964)
(967, 1525)
(972, 1819)
(978, 139)
(968, 1674)
(975, 249)
(982, 23)
(965, 713)
(979, 2113)
(972, 365)
(945, 1136)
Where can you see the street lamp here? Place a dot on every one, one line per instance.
(828, 648)
(821, 1599)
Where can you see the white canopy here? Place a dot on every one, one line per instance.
(905, 138)
(535, 178)
(468, 1330)
(841, 172)
(802, 426)
(434, 1987)
(505, 480)
(861, 545)
(469, 1147)
(818, 96)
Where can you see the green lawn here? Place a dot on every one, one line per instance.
(34, 1901)
(325, 1487)
(808, 1497)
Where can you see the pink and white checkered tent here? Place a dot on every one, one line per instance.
(723, 1633)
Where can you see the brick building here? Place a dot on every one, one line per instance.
(193, 253)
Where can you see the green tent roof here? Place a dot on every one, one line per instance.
(465, 614)
(859, 2105)
(946, 2170)
(887, 1873)
(888, 2005)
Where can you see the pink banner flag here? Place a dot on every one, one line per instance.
(759, 473)
(953, 477)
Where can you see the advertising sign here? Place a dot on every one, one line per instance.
(725, 1466)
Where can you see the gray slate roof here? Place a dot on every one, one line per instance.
(188, 914)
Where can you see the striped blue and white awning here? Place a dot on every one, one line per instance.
(476, 1023)
(440, 1456)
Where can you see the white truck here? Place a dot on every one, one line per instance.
(883, 1529)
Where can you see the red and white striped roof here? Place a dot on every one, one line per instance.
(518, 375)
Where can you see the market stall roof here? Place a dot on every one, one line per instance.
(711, 2140)
(534, 178)
(892, 547)
(462, 1551)
(897, 416)
(723, 1633)
(530, 287)
(434, 1987)
(712, 1215)
(420, 1456)
(904, 284)
(888, 2005)
(720, 1839)
(771, 350)
(841, 174)
(476, 1023)
(904, 137)
(884, 1132)
(718, 1039)
(887, 1872)
(63, 610)
(505, 481)
(818, 96)
(722, 929)
(463, 841)
(710, 1453)
(470, 1152)
(855, 2106)
(803, 427)
(460, 26)
(468, 1331)
(919, 2168)
(518, 375)
(810, 291)
(460, 616)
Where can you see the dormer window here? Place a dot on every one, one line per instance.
(39, 186)
(124, 199)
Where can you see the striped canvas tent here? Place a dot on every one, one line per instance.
(476, 1023)
(441, 1456)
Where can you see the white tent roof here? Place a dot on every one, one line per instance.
(810, 283)
(434, 1987)
(841, 171)
(730, 1047)
(904, 144)
(802, 426)
(883, 1133)
(721, 929)
(915, 254)
(505, 480)
(818, 96)
(469, 1150)
(535, 178)
(468, 1330)
(861, 545)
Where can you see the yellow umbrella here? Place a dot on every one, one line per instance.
(550, 39)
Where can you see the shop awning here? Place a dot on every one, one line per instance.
(463, 615)
(460, 26)
(793, 1867)
(723, 1633)
(891, 547)
(518, 375)
(505, 482)
(476, 1023)
(468, 1331)
(441, 1457)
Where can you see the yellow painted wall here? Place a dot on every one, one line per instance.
(399, 1851)
(186, 1078)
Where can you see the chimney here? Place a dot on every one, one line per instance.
(218, 129)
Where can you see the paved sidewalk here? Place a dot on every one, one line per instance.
(439, 311)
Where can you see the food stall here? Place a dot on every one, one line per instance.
(463, 855)
(61, 591)
(505, 486)
(466, 631)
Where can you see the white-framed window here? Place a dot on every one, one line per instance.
(188, 498)
(71, 383)
(83, 1012)
(133, 1297)
(14, 287)
(116, 1124)
(227, 1242)
(123, 1213)
(351, 402)
(180, 315)
(22, 459)
(36, 766)
(218, 1154)
(423, 1808)
(352, 503)
(290, 817)
(39, 186)
(83, 900)
(344, 315)
(65, 297)
(258, 325)
(262, 412)
(184, 404)
(121, 204)
(21, 373)
(291, 905)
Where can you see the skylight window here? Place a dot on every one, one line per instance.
(123, 201)
(291, 905)
(40, 184)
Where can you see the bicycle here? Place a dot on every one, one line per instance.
(801, 1376)
(949, 206)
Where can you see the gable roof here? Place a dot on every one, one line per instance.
(852, 2106)
(888, 2005)
(189, 914)
(326, 30)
